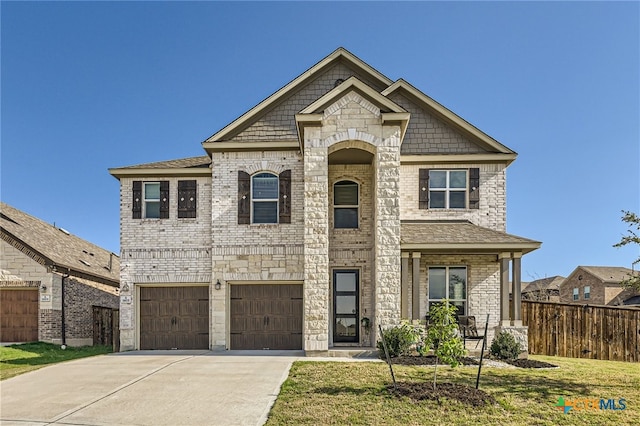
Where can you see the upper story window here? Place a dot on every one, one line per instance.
(449, 189)
(448, 282)
(576, 293)
(587, 292)
(150, 200)
(345, 204)
(264, 198)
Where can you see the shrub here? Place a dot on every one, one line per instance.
(399, 340)
(505, 346)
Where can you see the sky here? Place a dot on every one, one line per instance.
(87, 86)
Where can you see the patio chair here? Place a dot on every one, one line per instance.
(467, 325)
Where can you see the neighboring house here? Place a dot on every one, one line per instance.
(544, 289)
(37, 261)
(598, 285)
(343, 201)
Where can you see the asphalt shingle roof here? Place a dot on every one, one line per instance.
(58, 246)
(549, 283)
(182, 163)
(609, 274)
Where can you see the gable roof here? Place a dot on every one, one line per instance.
(339, 55)
(460, 236)
(608, 274)
(191, 166)
(549, 283)
(56, 247)
(448, 116)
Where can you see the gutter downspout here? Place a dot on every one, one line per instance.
(63, 327)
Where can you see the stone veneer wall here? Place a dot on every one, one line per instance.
(161, 251)
(492, 213)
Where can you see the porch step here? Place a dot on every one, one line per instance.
(352, 352)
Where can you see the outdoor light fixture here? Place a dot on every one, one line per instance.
(43, 288)
(218, 285)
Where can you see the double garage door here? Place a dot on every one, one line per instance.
(266, 316)
(262, 316)
(18, 315)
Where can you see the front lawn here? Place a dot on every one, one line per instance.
(356, 393)
(19, 359)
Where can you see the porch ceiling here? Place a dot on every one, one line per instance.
(460, 237)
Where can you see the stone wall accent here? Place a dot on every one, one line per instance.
(520, 333)
(427, 134)
(492, 213)
(21, 265)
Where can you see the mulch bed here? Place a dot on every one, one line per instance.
(450, 391)
(431, 360)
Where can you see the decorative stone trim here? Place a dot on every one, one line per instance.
(352, 134)
(520, 333)
(172, 278)
(351, 97)
(264, 166)
(166, 253)
(258, 250)
(20, 284)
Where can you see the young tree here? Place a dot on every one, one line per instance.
(633, 281)
(442, 336)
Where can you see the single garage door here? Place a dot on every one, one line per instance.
(266, 316)
(174, 317)
(19, 315)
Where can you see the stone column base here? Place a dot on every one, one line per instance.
(520, 333)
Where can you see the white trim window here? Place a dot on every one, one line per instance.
(151, 200)
(345, 204)
(264, 198)
(448, 189)
(587, 292)
(448, 282)
(576, 293)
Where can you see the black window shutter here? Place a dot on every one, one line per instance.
(137, 199)
(187, 198)
(164, 199)
(284, 213)
(244, 198)
(423, 194)
(474, 188)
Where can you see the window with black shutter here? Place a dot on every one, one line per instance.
(136, 205)
(449, 189)
(164, 200)
(423, 190)
(474, 188)
(187, 198)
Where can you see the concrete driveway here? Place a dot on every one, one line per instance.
(148, 388)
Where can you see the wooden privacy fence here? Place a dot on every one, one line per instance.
(106, 327)
(583, 331)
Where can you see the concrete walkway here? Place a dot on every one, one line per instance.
(149, 388)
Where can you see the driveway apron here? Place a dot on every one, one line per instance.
(148, 388)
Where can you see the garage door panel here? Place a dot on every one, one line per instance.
(174, 317)
(266, 316)
(19, 314)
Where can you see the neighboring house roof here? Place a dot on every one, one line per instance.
(549, 283)
(56, 247)
(191, 166)
(458, 236)
(608, 274)
(634, 300)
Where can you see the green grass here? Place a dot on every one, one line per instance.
(334, 393)
(20, 359)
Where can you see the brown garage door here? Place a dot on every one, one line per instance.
(19, 315)
(174, 317)
(266, 316)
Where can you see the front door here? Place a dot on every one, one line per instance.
(345, 306)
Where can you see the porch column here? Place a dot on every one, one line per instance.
(404, 310)
(516, 290)
(504, 259)
(415, 310)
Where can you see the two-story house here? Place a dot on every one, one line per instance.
(343, 201)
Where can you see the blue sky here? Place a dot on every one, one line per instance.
(91, 85)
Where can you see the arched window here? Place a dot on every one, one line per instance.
(345, 204)
(264, 198)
